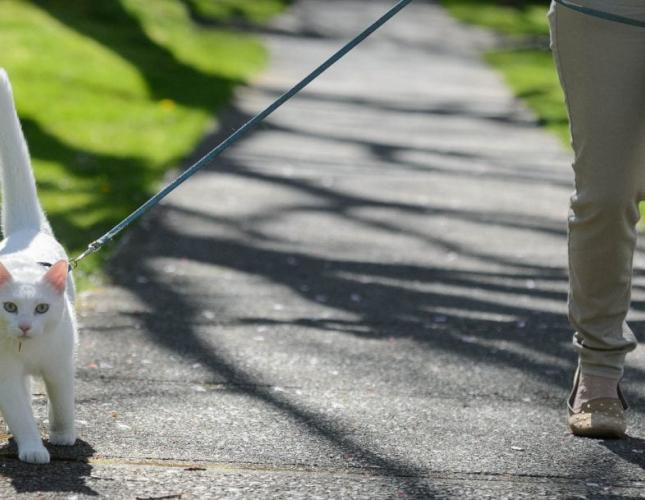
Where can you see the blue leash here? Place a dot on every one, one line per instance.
(233, 138)
(601, 14)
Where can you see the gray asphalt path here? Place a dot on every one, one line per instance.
(364, 299)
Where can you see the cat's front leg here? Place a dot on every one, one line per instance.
(15, 404)
(60, 391)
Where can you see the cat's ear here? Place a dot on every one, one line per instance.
(5, 275)
(57, 275)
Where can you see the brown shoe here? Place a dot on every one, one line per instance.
(597, 418)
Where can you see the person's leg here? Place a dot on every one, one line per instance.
(602, 71)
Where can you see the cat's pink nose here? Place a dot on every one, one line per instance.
(24, 329)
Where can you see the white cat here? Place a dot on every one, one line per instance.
(37, 323)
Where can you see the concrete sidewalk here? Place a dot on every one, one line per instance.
(364, 299)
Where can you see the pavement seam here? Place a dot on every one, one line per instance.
(336, 471)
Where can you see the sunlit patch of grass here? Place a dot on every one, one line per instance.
(532, 76)
(511, 17)
(249, 10)
(112, 94)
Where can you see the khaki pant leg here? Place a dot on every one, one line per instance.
(601, 65)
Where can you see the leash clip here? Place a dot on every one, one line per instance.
(95, 246)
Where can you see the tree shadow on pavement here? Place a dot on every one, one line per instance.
(387, 311)
(389, 154)
(161, 297)
(397, 300)
(631, 449)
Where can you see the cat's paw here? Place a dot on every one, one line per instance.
(67, 438)
(33, 454)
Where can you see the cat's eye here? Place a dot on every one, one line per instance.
(10, 307)
(42, 308)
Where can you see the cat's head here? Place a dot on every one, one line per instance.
(32, 300)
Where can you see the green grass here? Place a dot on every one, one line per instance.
(531, 75)
(114, 93)
(248, 10)
(513, 17)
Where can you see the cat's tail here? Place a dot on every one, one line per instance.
(20, 206)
